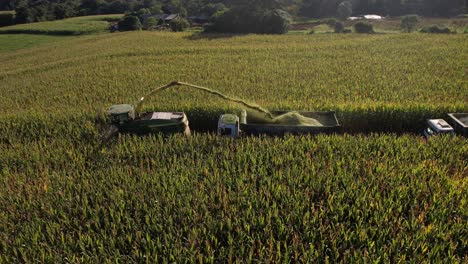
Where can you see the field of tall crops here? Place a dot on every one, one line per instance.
(212, 199)
(380, 83)
(386, 197)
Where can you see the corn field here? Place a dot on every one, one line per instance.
(370, 197)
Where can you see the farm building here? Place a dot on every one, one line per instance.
(166, 18)
(162, 19)
(367, 17)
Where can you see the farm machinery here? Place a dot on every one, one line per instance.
(457, 123)
(125, 118)
(289, 123)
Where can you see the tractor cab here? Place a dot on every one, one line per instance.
(437, 127)
(124, 119)
(228, 125)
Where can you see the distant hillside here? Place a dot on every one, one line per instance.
(70, 26)
(45, 10)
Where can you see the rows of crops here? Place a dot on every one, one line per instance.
(69, 197)
(381, 83)
(212, 199)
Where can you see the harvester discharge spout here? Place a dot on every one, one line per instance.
(201, 88)
(133, 120)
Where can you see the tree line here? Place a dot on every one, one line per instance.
(43, 10)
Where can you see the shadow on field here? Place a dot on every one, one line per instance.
(211, 36)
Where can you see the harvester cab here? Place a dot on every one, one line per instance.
(121, 114)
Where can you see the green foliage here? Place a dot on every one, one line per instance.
(141, 14)
(179, 24)
(62, 11)
(436, 30)
(150, 23)
(339, 27)
(175, 7)
(250, 20)
(23, 15)
(211, 9)
(42, 10)
(278, 21)
(331, 22)
(130, 22)
(364, 27)
(355, 198)
(394, 8)
(7, 18)
(156, 9)
(409, 22)
(345, 9)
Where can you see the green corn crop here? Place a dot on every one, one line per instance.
(386, 196)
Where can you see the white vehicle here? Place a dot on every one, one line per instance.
(228, 125)
(373, 17)
(437, 127)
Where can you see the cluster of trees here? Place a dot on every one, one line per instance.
(43, 10)
(237, 16)
(28, 11)
(40, 10)
(144, 19)
(252, 16)
(324, 8)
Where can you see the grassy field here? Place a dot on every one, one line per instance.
(11, 42)
(69, 26)
(35, 34)
(68, 197)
